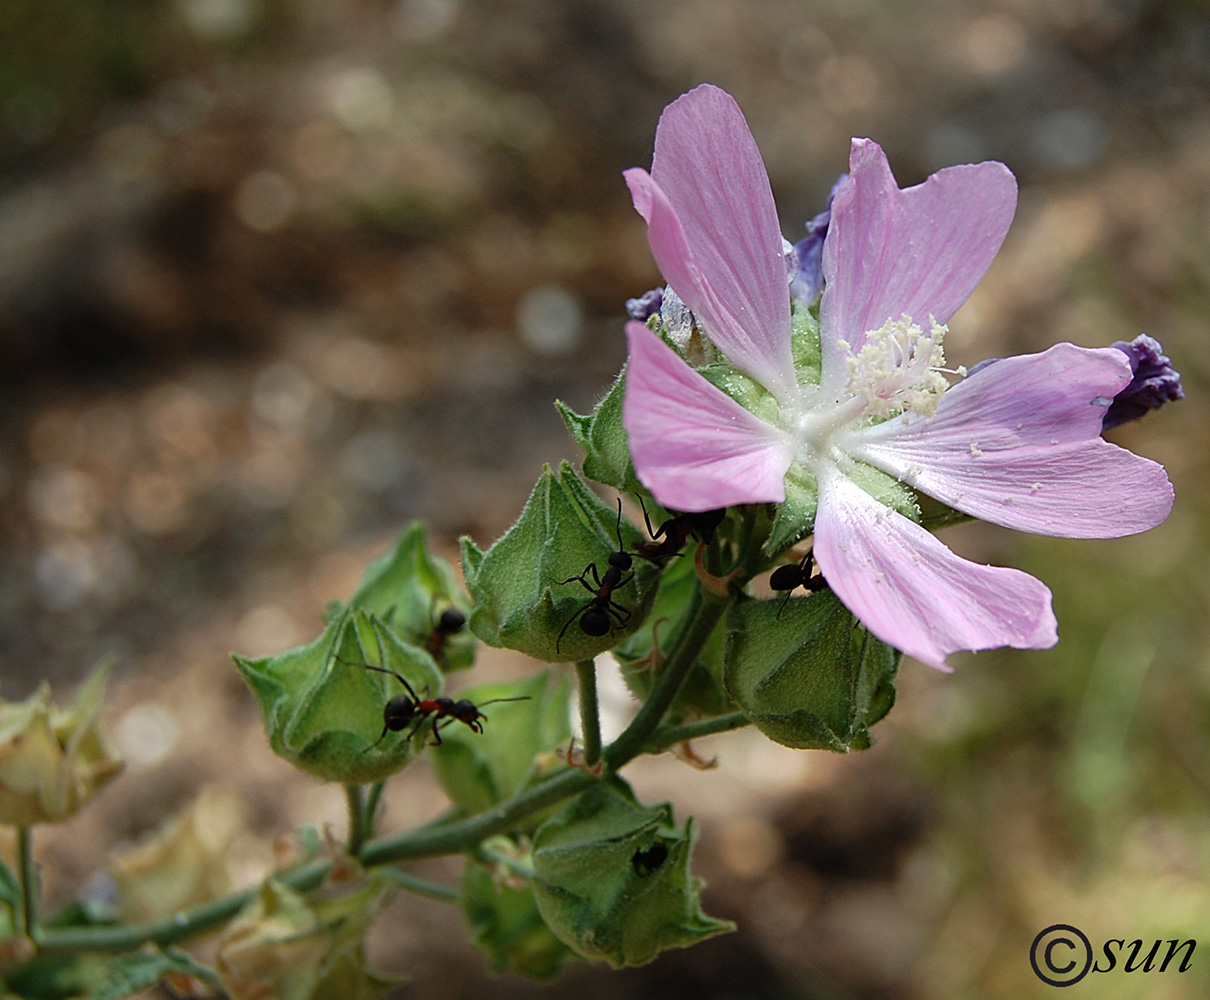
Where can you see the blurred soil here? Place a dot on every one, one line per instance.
(279, 276)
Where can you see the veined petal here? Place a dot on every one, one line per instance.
(713, 231)
(911, 591)
(694, 446)
(920, 250)
(1018, 443)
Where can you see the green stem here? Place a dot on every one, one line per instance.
(491, 856)
(180, 925)
(672, 735)
(27, 872)
(454, 838)
(420, 886)
(371, 809)
(357, 818)
(706, 611)
(590, 711)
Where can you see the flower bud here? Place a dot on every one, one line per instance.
(603, 438)
(323, 704)
(611, 878)
(533, 587)
(52, 760)
(808, 674)
(416, 594)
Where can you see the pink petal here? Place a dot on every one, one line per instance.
(919, 251)
(713, 231)
(1019, 444)
(912, 592)
(694, 446)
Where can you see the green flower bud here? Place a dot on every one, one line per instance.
(611, 878)
(477, 770)
(525, 586)
(641, 656)
(288, 947)
(505, 923)
(603, 438)
(52, 760)
(417, 595)
(323, 709)
(808, 675)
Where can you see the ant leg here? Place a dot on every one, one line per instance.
(587, 586)
(563, 632)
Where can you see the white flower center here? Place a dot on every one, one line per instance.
(898, 369)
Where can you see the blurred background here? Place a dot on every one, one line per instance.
(277, 276)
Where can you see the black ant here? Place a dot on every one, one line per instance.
(647, 862)
(404, 709)
(676, 531)
(789, 577)
(450, 622)
(598, 615)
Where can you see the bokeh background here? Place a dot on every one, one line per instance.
(277, 276)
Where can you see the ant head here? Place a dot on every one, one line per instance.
(452, 620)
(620, 560)
(595, 621)
(399, 712)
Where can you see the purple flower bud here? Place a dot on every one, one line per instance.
(1155, 382)
(808, 282)
(646, 305)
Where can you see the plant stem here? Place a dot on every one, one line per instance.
(590, 711)
(706, 611)
(672, 735)
(371, 809)
(357, 818)
(421, 886)
(27, 872)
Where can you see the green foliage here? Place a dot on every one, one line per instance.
(813, 678)
(129, 974)
(407, 589)
(504, 922)
(323, 709)
(611, 878)
(478, 770)
(524, 587)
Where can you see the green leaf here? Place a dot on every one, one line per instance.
(478, 770)
(809, 676)
(795, 516)
(641, 656)
(408, 589)
(603, 438)
(505, 922)
(323, 710)
(611, 878)
(525, 588)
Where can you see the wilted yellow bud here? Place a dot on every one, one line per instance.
(182, 865)
(52, 760)
(285, 946)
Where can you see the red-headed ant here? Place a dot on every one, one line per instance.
(404, 709)
(598, 615)
(789, 577)
(676, 531)
(450, 622)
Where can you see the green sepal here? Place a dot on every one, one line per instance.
(505, 923)
(935, 515)
(641, 656)
(804, 343)
(323, 710)
(611, 878)
(520, 601)
(795, 516)
(808, 675)
(478, 770)
(407, 589)
(603, 438)
(129, 974)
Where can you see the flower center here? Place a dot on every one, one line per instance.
(899, 368)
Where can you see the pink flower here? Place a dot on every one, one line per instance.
(1017, 443)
